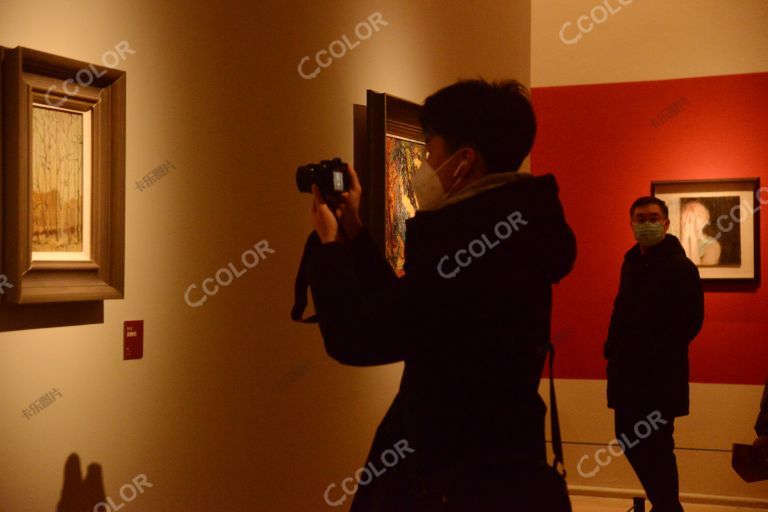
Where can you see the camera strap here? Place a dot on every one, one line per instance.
(301, 285)
(557, 442)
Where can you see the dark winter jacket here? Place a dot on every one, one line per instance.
(761, 427)
(658, 311)
(473, 344)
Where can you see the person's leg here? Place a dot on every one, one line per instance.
(664, 477)
(636, 451)
(650, 451)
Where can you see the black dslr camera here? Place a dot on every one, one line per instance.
(331, 177)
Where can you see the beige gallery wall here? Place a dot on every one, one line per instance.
(634, 41)
(233, 407)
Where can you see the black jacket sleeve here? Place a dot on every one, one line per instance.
(687, 316)
(365, 319)
(557, 240)
(761, 427)
(373, 270)
(609, 347)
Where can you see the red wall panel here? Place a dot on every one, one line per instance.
(601, 143)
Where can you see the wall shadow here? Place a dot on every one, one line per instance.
(80, 494)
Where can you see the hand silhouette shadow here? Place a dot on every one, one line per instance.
(77, 494)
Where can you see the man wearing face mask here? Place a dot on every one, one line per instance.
(658, 311)
(474, 343)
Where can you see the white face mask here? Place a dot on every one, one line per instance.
(427, 185)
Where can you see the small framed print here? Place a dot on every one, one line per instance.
(63, 177)
(717, 223)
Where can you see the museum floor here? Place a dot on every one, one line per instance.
(593, 504)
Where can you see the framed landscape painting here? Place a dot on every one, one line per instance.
(61, 184)
(717, 223)
(63, 177)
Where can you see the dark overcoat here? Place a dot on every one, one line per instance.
(471, 321)
(658, 311)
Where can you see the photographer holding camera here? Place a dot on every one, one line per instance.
(473, 343)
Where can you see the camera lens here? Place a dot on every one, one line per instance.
(304, 178)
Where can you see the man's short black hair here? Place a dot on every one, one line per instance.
(496, 119)
(642, 201)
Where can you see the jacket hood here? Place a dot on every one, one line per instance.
(510, 231)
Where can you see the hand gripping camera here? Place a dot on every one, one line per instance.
(331, 177)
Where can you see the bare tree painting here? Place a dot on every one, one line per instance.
(57, 180)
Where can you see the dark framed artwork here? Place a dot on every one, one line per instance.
(389, 147)
(718, 224)
(63, 179)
